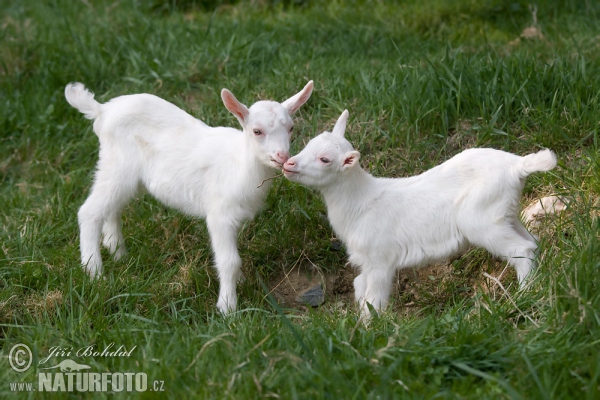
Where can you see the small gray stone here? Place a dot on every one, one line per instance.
(313, 296)
(335, 245)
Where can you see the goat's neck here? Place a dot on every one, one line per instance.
(253, 170)
(350, 193)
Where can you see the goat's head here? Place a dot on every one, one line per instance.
(324, 158)
(268, 124)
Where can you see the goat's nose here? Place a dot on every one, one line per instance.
(282, 156)
(290, 163)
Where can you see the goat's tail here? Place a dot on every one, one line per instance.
(83, 100)
(542, 161)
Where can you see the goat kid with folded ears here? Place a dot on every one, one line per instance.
(388, 224)
(213, 173)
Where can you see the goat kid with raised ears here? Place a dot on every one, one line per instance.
(388, 224)
(212, 173)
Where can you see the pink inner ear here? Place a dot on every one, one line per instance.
(303, 99)
(238, 110)
(297, 103)
(236, 107)
(349, 160)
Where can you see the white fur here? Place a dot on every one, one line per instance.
(388, 224)
(213, 173)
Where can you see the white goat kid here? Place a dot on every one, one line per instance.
(389, 224)
(213, 173)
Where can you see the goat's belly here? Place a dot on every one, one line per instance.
(185, 200)
(430, 253)
(194, 201)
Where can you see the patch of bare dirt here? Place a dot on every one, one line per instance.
(337, 286)
(463, 138)
(530, 33)
(413, 289)
(38, 304)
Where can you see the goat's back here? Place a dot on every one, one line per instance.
(142, 114)
(424, 218)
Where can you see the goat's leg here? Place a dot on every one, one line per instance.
(223, 235)
(523, 265)
(513, 243)
(521, 255)
(528, 246)
(90, 218)
(378, 289)
(524, 232)
(360, 287)
(113, 235)
(102, 207)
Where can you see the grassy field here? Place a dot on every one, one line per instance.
(422, 80)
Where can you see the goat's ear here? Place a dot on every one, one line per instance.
(340, 126)
(295, 102)
(350, 159)
(234, 106)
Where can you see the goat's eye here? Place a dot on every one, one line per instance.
(325, 160)
(257, 132)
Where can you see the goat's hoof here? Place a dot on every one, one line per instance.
(95, 275)
(225, 307)
(120, 253)
(94, 271)
(241, 278)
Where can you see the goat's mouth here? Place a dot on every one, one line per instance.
(276, 163)
(288, 172)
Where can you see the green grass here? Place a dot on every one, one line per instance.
(422, 81)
